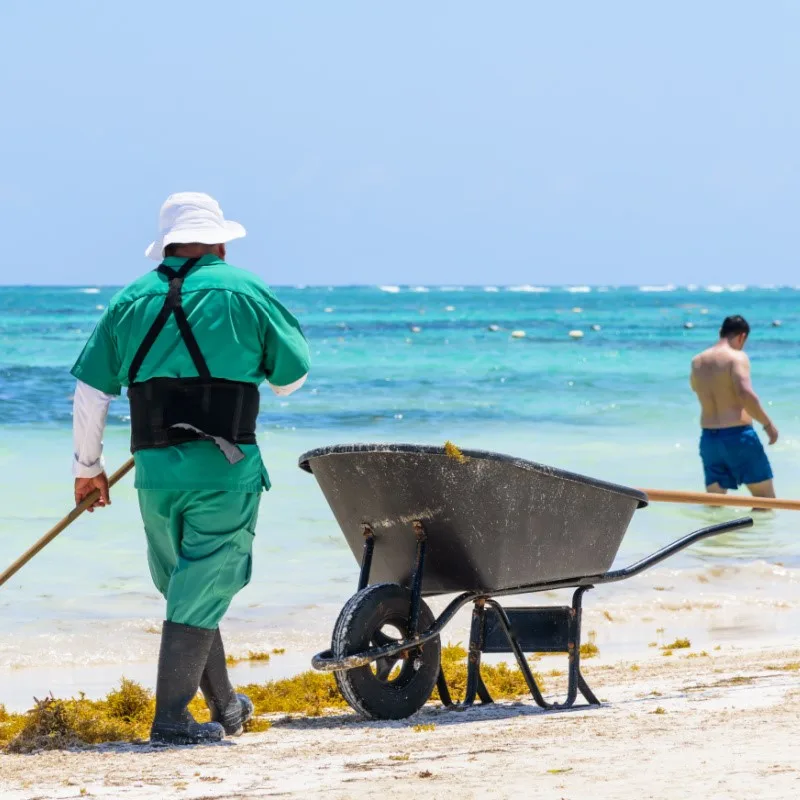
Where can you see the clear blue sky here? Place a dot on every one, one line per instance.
(418, 142)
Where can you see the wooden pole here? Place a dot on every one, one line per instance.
(66, 522)
(706, 499)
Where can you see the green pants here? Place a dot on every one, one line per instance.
(199, 548)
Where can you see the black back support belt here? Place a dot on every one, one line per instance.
(169, 411)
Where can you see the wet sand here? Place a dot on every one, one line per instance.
(716, 726)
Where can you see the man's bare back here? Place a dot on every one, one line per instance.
(715, 373)
(729, 447)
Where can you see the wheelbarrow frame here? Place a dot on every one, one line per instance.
(496, 628)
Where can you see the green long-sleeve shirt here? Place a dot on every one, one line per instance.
(244, 333)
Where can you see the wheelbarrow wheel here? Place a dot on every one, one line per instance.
(388, 688)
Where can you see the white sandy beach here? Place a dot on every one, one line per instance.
(722, 726)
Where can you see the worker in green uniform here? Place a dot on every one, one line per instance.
(191, 340)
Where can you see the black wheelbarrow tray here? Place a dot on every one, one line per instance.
(431, 520)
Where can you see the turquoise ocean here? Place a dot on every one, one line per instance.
(403, 364)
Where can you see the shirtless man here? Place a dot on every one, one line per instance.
(731, 451)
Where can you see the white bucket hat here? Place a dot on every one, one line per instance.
(188, 217)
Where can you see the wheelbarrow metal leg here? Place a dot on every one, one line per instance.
(416, 579)
(475, 688)
(483, 692)
(587, 693)
(556, 629)
(577, 681)
(444, 692)
(522, 662)
(366, 558)
(475, 685)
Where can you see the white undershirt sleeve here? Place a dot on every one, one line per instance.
(290, 387)
(89, 413)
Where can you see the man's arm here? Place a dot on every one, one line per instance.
(286, 356)
(740, 372)
(89, 413)
(97, 370)
(282, 391)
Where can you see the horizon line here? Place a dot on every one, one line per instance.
(522, 287)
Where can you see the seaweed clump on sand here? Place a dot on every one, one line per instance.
(251, 656)
(792, 666)
(312, 693)
(53, 724)
(502, 681)
(451, 451)
(308, 693)
(590, 649)
(678, 644)
(126, 713)
(10, 725)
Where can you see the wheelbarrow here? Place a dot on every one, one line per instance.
(425, 521)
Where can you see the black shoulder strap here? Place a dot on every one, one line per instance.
(172, 305)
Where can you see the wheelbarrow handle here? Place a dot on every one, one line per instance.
(674, 547)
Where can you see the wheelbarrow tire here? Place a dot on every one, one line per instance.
(360, 620)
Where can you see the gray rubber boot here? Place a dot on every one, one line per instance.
(228, 708)
(184, 652)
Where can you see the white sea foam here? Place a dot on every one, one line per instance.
(420, 289)
(452, 288)
(578, 289)
(390, 289)
(92, 290)
(736, 287)
(528, 288)
(670, 287)
(715, 289)
(490, 289)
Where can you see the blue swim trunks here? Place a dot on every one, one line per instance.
(733, 456)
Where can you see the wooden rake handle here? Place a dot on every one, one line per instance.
(706, 499)
(66, 522)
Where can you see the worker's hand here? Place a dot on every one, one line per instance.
(85, 486)
(772, 433)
